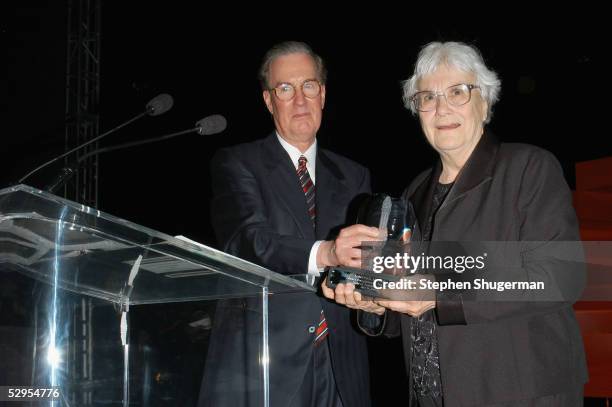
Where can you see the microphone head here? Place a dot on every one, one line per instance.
(210, 125)
(160, 104)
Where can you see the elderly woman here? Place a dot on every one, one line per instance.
(460, 352)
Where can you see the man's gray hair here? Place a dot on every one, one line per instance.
(457, 55)
(286, 48)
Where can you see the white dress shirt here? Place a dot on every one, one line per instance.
(311, 163)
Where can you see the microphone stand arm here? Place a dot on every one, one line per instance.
(134, 143)
(133, 119)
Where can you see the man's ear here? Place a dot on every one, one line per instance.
(267, 96)
(322, 96)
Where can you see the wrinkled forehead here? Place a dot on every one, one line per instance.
(292, 68)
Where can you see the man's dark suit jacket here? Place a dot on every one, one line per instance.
(501, 352)
(259, 213)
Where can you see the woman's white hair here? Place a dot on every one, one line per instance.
(456, 55)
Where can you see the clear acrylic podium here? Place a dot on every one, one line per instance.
(111, 312)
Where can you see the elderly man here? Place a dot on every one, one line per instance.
(275, 202)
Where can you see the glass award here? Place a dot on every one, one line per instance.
(394, 215)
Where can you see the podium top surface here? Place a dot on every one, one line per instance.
(84, 250)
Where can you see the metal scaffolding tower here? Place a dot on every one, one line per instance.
(82, 125)
(83, 96)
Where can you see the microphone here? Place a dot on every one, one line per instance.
(210, 125)
(207, 126)
(160, 104)
(156, 106)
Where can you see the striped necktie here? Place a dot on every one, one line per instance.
(321, 332)
(308, 187)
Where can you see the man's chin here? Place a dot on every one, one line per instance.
(305, 132)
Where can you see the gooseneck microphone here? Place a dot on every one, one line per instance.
(207, 126)
(210, 125)
(160, 104)
(156, 106)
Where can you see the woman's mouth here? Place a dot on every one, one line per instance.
(448, 126)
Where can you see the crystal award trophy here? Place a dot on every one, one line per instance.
(396, 216)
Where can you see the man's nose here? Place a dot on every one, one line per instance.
(299, 98)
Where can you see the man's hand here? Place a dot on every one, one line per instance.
(344, 250)
(345, 294)
(412, 308)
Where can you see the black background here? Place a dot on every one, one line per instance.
(552, 70)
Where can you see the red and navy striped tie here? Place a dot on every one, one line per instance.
(321, 332)
(308, 187)
(309, 191)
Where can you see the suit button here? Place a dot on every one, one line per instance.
(311, 329)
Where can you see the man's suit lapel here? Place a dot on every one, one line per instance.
(283, 177)
(329, 186)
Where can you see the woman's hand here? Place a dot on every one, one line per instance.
(345, 294)
(412, 308)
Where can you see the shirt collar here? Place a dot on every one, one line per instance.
(294, 154)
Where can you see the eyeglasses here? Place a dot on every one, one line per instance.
(456, 95)
(285, 91)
